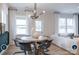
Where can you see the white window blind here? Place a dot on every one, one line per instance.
(66, 25)
(22, 25)
(38, 25)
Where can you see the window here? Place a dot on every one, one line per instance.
(70, 27)
(66, 25)
(38, 25)
(22, 25)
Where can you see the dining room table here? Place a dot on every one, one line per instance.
(35, 41)
(26, 39)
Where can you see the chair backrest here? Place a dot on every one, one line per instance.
(36, 35)
(23, 46)
(45, 44)
(49, 43)
(16, 42)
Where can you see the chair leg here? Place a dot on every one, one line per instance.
(25, 52)
(46, 50)
(40, 51)
(46, 54)
(18, 52)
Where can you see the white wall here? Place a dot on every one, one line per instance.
(49, 23)
(4, 15)
(12, 24)
(0, 12)
(76, 23)
(48, 20)
(75, 17)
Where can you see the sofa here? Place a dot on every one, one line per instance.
(71, 45)
(4, 41)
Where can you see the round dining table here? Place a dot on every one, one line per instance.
(32, 40)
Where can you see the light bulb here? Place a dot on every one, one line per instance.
(29, 15)
(44, 11)
(34, 11)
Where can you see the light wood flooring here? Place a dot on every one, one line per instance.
(53, 50)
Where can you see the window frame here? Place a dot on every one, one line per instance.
(42, 26)
(25, 26)
(66, 24)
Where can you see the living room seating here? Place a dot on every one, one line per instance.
(67, 43)
(4, 41)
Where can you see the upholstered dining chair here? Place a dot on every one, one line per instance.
(44, 45)
(25, 47)
(36, 35)
(17, 45)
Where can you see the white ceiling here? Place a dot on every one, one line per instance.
(49, 7)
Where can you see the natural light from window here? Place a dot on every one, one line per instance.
(38, 25)
(22, 26)
(66, 25)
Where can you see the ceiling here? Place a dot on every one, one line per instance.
(49, 7)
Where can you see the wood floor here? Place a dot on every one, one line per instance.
(54, 50)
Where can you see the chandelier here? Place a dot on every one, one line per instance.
(35, 14)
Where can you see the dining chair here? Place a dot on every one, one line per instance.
(44, 45)
(25, 47)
